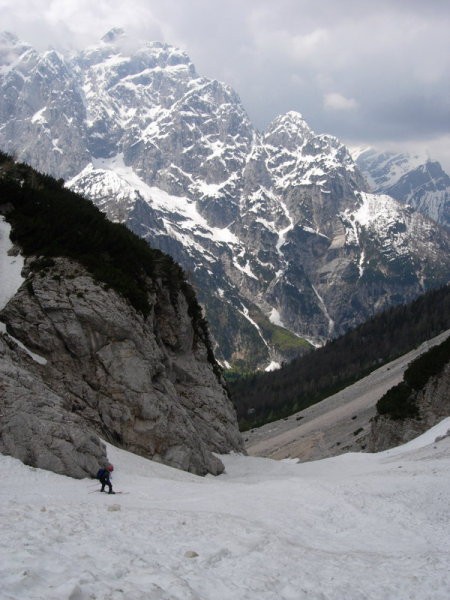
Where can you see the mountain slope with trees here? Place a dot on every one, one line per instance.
(263, 397)
(101, 338)
(417, 403)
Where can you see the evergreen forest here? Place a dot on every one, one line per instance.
(264, 397)
(400, 401)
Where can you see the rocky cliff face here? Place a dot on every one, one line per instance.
(276, 230)
(433, 403)
(95, 368)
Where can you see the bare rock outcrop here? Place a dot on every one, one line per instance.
(35, 426)
(147, 384)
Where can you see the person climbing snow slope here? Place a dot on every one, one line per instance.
(104, 476)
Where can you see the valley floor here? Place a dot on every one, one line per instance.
(357, 526)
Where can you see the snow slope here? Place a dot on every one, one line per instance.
(355, 526)
(10, 266)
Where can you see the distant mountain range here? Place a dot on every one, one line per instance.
(412, 179)
(279, 232)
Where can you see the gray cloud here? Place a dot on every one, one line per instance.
(364, 71)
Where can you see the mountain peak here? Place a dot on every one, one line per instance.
(6, 37)
(294, 116)
(11, 48)
(113, 35)
(289, 129)
(118, 42)
(294, 119)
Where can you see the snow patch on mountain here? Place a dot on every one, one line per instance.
(275, 318)
(11, 265)
(323, 306)
(383, 169)
(378, 209)
(284, 232)
(36, 357)
(273, 366)
(122, 180)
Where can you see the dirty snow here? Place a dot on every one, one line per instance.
(358, 526)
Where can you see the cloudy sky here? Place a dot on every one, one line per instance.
(368, 72)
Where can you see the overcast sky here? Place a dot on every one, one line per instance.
(368, 72)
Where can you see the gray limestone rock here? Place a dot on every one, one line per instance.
(36, 425)
(144, 384)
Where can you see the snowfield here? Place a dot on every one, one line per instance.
(353, 527)
(11, 265)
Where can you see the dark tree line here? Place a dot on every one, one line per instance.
(400, 401)
(49, 220)
(264, 397)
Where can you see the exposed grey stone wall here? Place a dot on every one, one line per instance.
(144, 384)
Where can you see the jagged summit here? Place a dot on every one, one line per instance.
(113, 35)
(11, 50)
(118, 42)
(292, 118)
(289, 129)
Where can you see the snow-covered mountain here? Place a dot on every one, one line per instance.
(413, 179)
(277, 230)
(355, 526)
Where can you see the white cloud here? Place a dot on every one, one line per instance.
(305, 46)
(336, 101)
